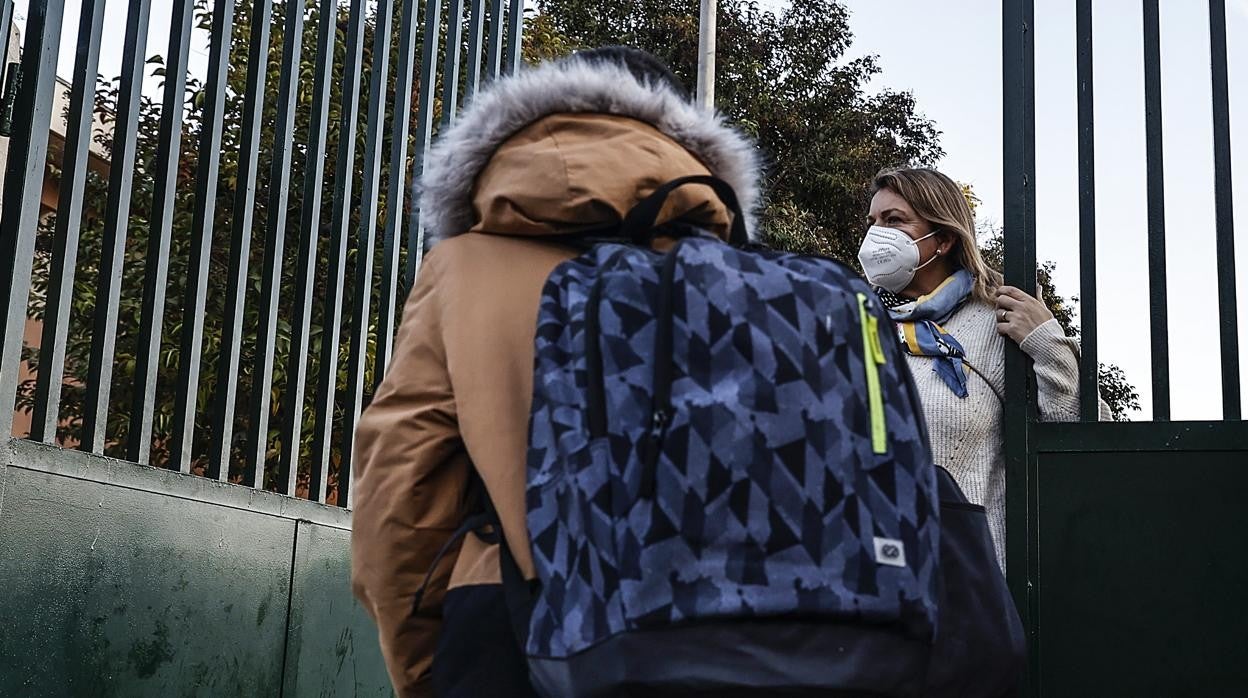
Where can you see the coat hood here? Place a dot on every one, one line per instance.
(532, 154)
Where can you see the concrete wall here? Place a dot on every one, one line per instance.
(123, 580)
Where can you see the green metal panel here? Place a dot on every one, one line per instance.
(1136, 437)
(1142, 574)
(111, 591)
(332, 648)
(123, 580)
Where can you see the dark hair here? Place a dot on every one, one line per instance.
(643, 65)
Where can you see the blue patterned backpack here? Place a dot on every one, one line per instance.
(730, 489)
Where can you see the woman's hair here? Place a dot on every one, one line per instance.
(643, 65)
(940, 201)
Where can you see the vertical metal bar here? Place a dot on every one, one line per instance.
(313, 178)
(494, 52)
(450, 65)
(706, 53)
(476, 28)
(360, 313)
(515, 30)
(424, 133)
(46, 414)
(6, 21)
(332, 324)
(168, 151)
(1158, 311)
(23, 187)
(1019, 169)
(116, 223)
(1089, 407)
(398, 179)
(274, 246)
(183, 437)
(225, 393)
(1228, 310)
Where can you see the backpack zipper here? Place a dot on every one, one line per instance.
(873, 358)
(596, 388)
(595, 369)
(661, 412)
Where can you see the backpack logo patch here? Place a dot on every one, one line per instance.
(890, 552)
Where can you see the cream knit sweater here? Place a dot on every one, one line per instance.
(967, 433)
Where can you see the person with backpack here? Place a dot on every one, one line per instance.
(623, 449)
(537, 159)
(953, 314)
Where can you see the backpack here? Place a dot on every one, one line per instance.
(729, 485)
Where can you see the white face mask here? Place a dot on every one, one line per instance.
(890, 258)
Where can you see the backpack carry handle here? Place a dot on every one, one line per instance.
(638, 225)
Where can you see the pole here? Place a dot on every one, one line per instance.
(706, 55)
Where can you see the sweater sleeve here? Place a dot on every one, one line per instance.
(1056, 359)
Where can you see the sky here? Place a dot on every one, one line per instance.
(948, 54)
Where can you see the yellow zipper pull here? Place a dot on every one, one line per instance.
(877, 351)
(873, 356)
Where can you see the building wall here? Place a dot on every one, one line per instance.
(12, 55)
(51, 195)
(21, 419)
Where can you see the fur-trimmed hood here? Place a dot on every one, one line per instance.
(591, 133)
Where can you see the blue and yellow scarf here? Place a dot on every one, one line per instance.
(919, 331)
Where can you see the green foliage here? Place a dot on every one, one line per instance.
(1117, 392)
(542, 40)
(782, 78)
(221, 210)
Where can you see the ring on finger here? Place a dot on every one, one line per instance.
(1001, 316)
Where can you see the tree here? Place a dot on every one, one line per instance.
(782, 78)
(83, 302)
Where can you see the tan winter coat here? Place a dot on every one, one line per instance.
(553, 151)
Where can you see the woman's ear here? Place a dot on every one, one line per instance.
(947, 243)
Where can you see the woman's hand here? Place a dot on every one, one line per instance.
(1018, 313)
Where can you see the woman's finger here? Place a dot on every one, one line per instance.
(1009, 302)
(1013, 292)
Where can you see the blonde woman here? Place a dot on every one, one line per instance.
(953, 316)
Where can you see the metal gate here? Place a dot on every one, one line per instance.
(1125, 539)
(145, 573)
